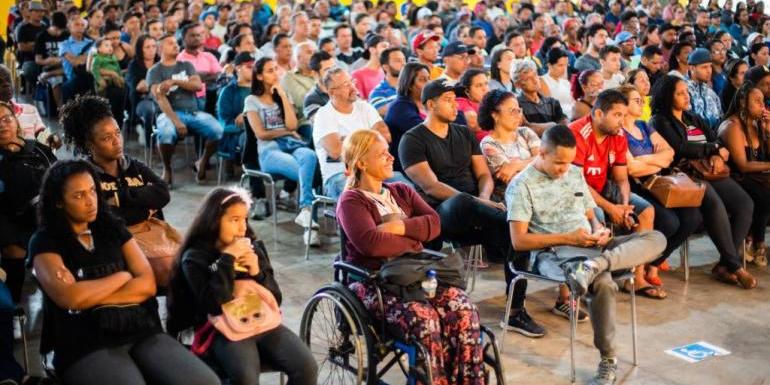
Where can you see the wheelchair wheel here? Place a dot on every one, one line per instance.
(492, 361)
(336, 327)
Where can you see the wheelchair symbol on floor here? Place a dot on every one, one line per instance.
(697, 352)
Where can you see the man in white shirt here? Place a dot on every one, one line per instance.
(344, 114)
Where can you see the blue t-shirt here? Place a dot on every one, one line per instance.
(73, 47)
(639, 147)
(382, 95)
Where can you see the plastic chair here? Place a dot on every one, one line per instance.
(629, 276)
(318, 200)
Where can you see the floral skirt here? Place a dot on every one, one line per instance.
(447, 325)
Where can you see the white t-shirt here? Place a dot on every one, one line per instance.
(330, 121)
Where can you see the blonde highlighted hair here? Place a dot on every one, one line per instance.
(354, 149)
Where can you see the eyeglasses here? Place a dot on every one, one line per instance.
(7, 119)
(512, 110)
(717, 51)
(348, 84)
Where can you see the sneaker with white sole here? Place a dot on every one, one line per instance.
(562, 309)
(523, 324)
(304, 219)
(16, 328)
(315, 240)
(606, 373)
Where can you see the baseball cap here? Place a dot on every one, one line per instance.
(424, 12)
(372, 39)
(243, 57)
(211, 11)
(37, 6)
(422, 38)
(699, 56)
(757, 73)
(455, 48)
(623, 37)
(435, 89)
(665, 27)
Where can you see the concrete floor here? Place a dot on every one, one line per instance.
(700, 309)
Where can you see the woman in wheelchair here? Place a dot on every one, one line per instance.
(100, 316)
(219, 250)
(385, 221)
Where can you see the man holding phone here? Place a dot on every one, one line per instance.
(601, 151)
(551, 213)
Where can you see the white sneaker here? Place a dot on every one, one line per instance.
(304, 218)
(16, 328)
(315, 241)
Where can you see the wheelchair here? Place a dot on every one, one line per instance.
(351, 347)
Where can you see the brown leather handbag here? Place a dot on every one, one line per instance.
(160, 243)
(701, 168)
(675, 190)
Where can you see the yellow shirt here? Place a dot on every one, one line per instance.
(646, 109)
(435, 72)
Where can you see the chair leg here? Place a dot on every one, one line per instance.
(572, 334)
(745, 250)
(282, 378)
(508, 304)
(220, 167)
(308, 231)
(684, 255)
(633, 319)
(271, 184)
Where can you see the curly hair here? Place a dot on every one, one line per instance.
(78, 118)
(489, 105)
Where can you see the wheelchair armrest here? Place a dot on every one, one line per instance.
(257, 174)
(352, 269)
(434, 253)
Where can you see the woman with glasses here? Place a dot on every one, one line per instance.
(648, 154)
(639, 79)
(22, 165)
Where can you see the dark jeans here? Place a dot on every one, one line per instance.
(77, 85)
(727, 212)
(466, 220)
(31, 72)
(281, 348)
(760, 194)
(676, 224)
(9, 368)
(146, 110)
(117, 98)
(157, 360)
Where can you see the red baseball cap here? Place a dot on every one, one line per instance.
(422, 38)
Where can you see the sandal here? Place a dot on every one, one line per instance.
(199, 179)
(650, 291)
(721, 274)
(664, 266)
(759, 252)
(745, 279)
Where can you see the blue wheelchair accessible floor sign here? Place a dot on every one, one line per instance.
(697, 352)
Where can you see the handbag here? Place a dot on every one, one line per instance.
(403, 276)
(701, 169)
(675, 190)
(160, 243)
(253, 311)
(289, 144)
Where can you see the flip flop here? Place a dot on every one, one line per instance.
(198, 178)
(647, 292)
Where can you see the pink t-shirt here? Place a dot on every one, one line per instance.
(204, 62)
(366, 80)
(465, 104)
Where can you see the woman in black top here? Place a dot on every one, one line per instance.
(746, 133)
(219, 248)
(133, 190)
(22, 165)
(726, 208)
(144, 106)
(736, 73)
(100, 313)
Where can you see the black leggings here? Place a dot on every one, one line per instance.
(676, 224)
(760, 194)
(281, 348)
(727, 210)
(157, 360)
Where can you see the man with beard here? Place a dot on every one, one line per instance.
(597, 39)
(205, 63)
(601, 153)
(392, 61)
(667, 33)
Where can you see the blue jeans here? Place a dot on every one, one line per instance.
(199, 123)
(639, 203)
(334, 186)
(298, 166)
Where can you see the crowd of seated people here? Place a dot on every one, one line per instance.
(431, 126)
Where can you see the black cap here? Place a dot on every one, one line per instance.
(757, 73)
(435, 89)
(455, 48)
(666, 26)
(243, 57)
(371, 41)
